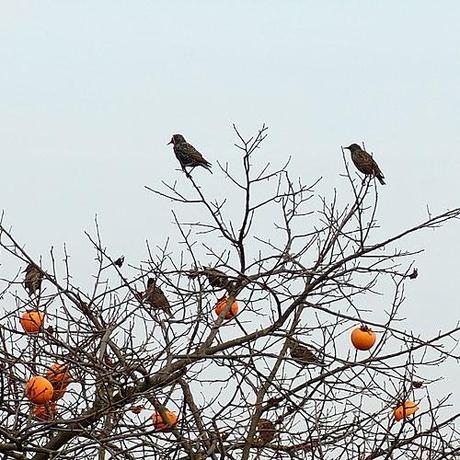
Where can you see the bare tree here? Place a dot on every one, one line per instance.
(277, 379)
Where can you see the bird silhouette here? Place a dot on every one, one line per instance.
(216, 278)
(155, 297)
(187, 154)
(365, 163)
(266, 431)
(302, 354)
(33, 278)
(119, 261)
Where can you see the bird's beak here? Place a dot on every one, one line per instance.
(170, 142)
(346, 148)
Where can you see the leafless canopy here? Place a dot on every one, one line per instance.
(303, 269)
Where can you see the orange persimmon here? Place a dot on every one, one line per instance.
(363, 338)
(220, 306)
(404, 410)
(166, 423)
(60, 377)
(39, 390)
(32, 321)
(59, 374)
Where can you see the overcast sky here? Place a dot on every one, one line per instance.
(91, 92)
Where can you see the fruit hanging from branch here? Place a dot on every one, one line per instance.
(363, 338)
(32, 321)
(39, 390)
(220, 307)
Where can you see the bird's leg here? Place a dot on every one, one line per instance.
(187, 174)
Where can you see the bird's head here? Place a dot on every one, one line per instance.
(150, 281)
(30, 266)
(353, 147)
(176, 139)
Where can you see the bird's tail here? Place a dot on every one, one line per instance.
(381, 180)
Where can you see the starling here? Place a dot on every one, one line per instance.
(33, 278)
(187, 154)
(155, 297)
(365, 163)
(216, 278)
(266, 431)
(119, 261)
(302, 354)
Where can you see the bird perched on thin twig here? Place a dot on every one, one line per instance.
(302, 354)
(266, 431)
(365, 163)
(216, 278)
(187, 154)
(155, 297)
(33, 278)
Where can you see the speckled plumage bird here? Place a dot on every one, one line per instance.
(365, 163)
(187, 154)
(155, 297)
(302, 354)
(33, 278)
(217, 278)
(266, 431)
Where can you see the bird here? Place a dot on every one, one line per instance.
(119, 261)
(302, 354)
(187, 154)
(266, 431)
(33, 278)
(155, 297)
(365, 163)
(417, 383)
(216, 277)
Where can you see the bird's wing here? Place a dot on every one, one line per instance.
(215, 275)
(161, 298)
(192, 152)
(376, 168)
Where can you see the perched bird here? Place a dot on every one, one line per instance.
(365, 163)
(33, 278)
(266, 431)
(302, 354)
(119, 261)
(155, 297)
(417, 383)
(187, 154)
(216, 278)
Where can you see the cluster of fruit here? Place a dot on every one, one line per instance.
(43, 392)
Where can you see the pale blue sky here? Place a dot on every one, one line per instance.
(91, 91)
